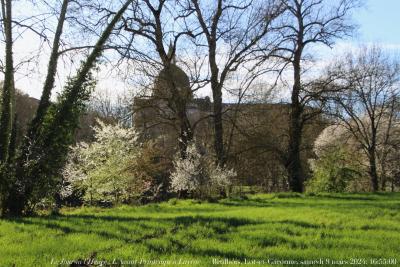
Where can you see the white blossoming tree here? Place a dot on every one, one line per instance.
(342, 162)
(198, 175)
(104, 169)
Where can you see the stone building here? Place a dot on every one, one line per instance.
(255, 133)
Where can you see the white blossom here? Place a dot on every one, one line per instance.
(198, 173)
(101, 167)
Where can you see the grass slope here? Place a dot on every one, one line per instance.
(264, 227)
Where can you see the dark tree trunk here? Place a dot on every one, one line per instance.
(216, 88)
(6, 118)
(383, 179)
(373, 170)
(218, 127)
(372, 157)
(294, 167)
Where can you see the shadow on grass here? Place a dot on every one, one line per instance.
(302, 224)
(336, 202)
(132, 230)
(178, 234)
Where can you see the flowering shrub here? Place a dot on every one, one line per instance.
(198, 175)
(104, 169)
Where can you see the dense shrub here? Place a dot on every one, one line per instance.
(335, 170)
(152, 166)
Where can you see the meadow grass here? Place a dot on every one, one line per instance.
(335, 228)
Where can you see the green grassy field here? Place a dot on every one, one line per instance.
(268, 230)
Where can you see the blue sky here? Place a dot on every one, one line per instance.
(379, 22)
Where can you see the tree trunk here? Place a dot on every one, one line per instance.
(7, 107)
(383, 178)
(373, 170)
(293, 165)
(51, 73)
(372, 157)
(294, 168)
(218, 126)
(216, 88)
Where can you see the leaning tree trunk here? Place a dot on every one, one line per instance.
(51, 73)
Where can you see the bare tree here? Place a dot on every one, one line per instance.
(232, 34)
(172, 86)
(367, 89)
(111, 107)
(307, 22)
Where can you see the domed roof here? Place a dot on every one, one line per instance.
(173, 82)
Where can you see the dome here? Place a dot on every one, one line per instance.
(171, 79)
